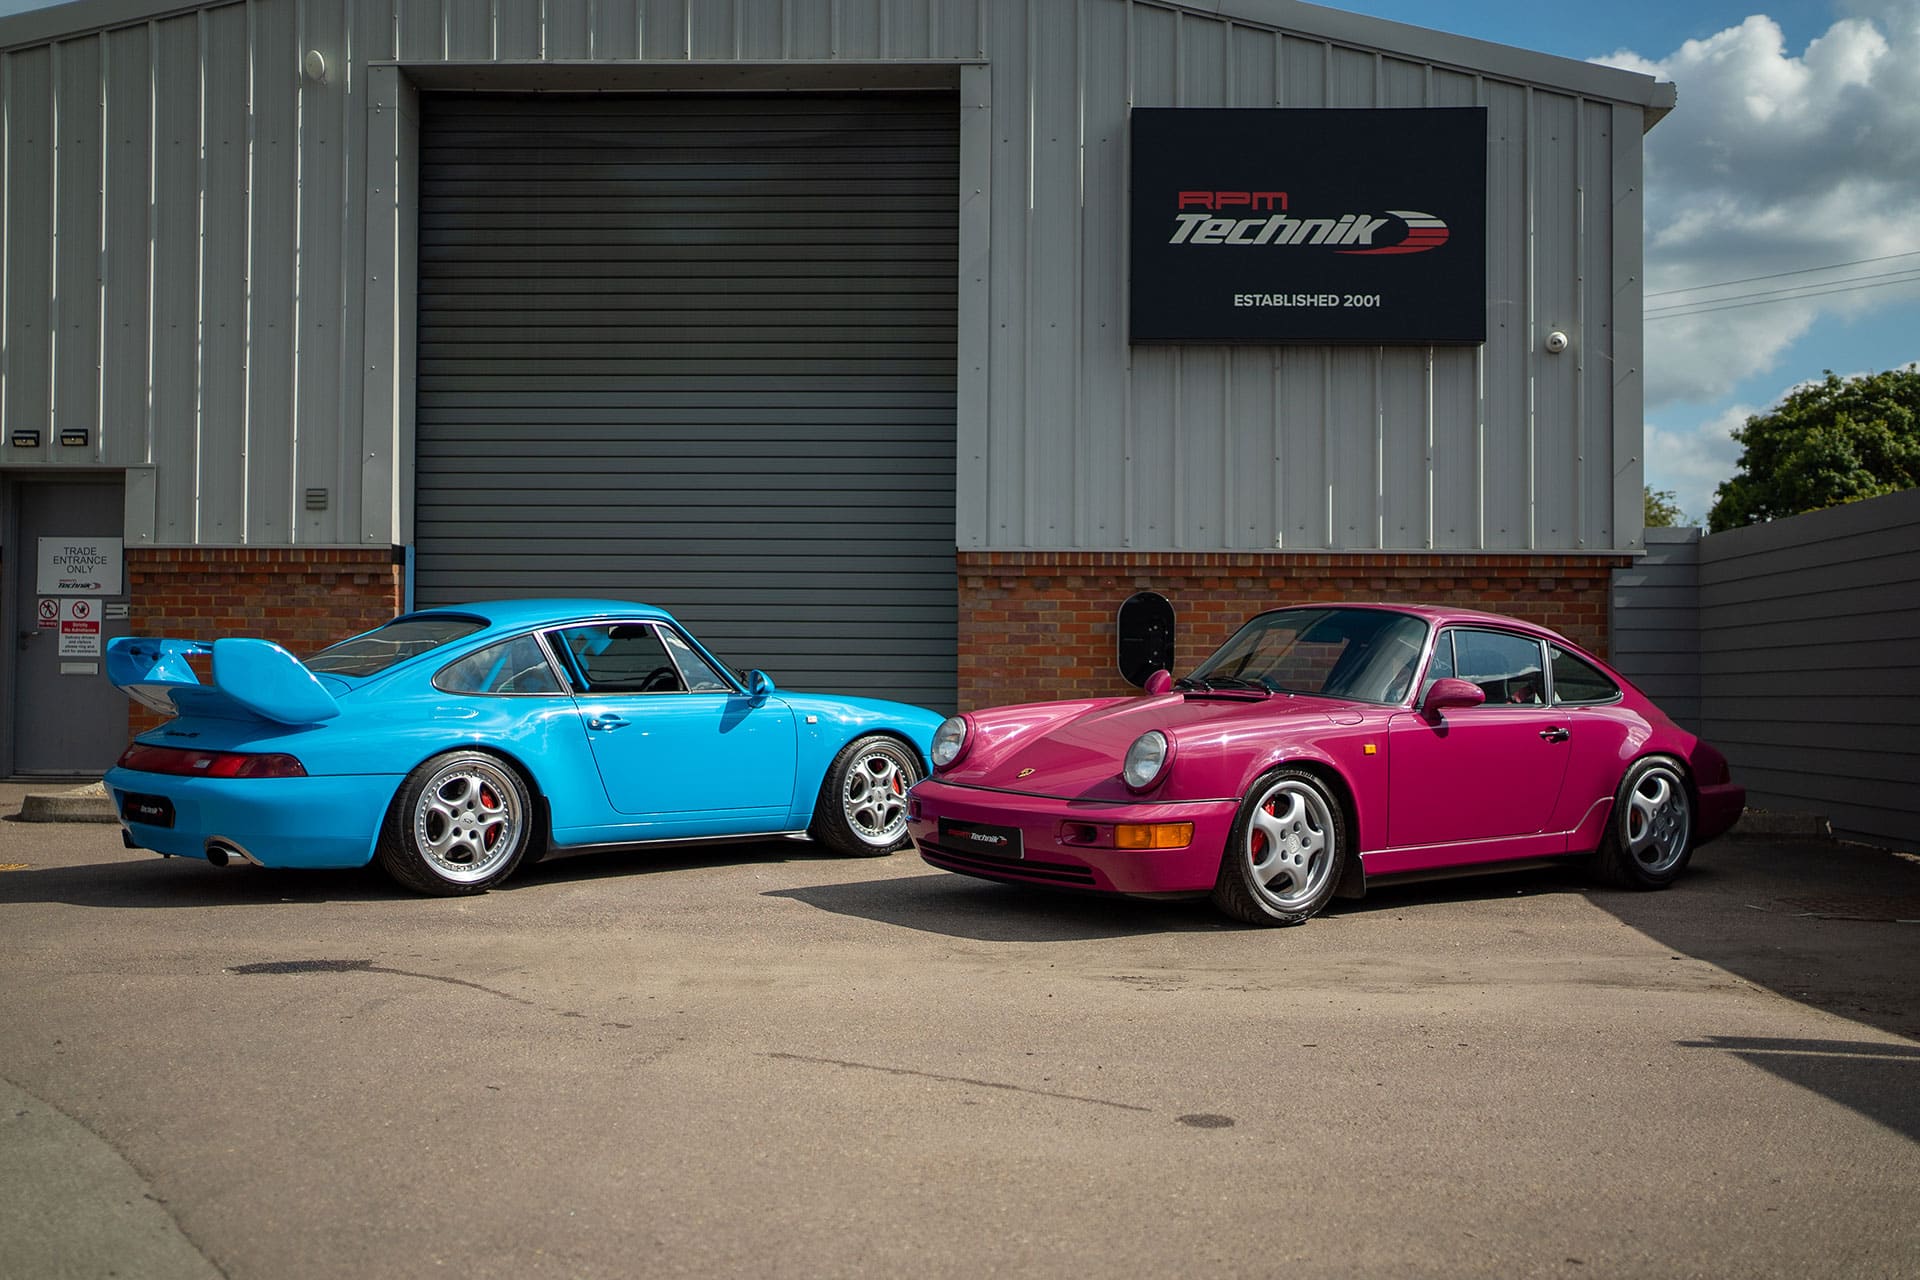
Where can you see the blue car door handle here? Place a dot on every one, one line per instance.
(605, 722)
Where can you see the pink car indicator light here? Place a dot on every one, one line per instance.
(1153, 835)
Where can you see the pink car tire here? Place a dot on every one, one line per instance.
(1649, 836)
(1284, 855)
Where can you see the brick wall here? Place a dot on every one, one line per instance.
(1033, 625)
(303, 598)
(1040, 625)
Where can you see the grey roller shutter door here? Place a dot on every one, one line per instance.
(698, 350)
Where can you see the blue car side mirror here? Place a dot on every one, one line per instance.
(759, 684)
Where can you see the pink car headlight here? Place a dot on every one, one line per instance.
(949, 741)
(1146, 760)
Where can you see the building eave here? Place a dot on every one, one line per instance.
(1464, 53)
(87, 17)
(1360, 31)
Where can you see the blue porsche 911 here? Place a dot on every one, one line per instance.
(453, 745)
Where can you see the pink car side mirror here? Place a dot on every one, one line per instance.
(1158, 683)
(1449, 692)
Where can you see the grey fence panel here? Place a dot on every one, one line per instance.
(1656, 622)
(1807, 644)
(1845, 599)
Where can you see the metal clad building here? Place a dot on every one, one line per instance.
(255, 285)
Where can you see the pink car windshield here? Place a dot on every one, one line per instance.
(1371, 655)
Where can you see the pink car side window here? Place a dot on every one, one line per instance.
(1507, 667)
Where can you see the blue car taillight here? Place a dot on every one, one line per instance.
(188, 763)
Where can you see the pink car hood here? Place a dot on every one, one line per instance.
(1074, 750)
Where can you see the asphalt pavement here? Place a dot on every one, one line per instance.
(759, 1059)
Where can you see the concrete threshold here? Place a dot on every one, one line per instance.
(89, 803)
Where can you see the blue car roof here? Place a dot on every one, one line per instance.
(519, 613)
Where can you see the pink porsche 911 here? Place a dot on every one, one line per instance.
(1323, 748)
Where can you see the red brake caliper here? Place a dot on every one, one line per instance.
(488, 799)
(1258, 844)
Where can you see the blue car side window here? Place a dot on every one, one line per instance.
(512, 666)
(621, 657)
(695, 671)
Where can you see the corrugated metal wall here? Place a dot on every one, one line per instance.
(204, 284)
(1202, 448)
(1808, 646)
(699, 351)
(184, 262)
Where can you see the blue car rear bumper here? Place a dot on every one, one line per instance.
(276, 822)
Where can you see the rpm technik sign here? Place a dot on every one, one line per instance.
(1293, 224)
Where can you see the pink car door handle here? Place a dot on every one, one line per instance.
(1555, 734)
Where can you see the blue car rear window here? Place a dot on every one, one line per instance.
(399, 640)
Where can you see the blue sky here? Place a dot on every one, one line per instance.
(1794, 151)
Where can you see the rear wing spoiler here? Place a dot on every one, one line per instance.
(250, 678)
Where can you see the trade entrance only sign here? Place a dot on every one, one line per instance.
(80, 566)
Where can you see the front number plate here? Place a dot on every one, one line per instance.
(981, 837)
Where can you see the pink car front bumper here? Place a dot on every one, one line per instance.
(1062, 842)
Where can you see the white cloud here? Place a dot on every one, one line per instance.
(1775, 162)
(1690, 462)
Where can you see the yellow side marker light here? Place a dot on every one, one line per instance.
(14, 866)
(1370, 749)
(1153, 835)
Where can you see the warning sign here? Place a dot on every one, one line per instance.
(49, 613)
(79, 629)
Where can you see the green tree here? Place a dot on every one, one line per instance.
(1662, 508)
(1826, 443)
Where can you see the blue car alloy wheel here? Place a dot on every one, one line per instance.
(862, 810)
(461, 823)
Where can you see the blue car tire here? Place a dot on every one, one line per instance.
(862, 809)
(461, 823)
